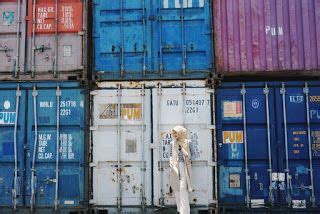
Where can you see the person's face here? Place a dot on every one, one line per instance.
(175, 135)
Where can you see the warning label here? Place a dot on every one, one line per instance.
(132, 111)
(231, 137)
(232, 109)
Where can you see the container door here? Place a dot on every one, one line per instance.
(55, 45)
(190, 107)
(121, 148)
(12, 38)
(55, 173)
(298, 128)
(12, 139)
(246, 146)
(122, 37)
(182, 37)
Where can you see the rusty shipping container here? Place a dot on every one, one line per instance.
(280, 37)
(43, 39)
(131, 125)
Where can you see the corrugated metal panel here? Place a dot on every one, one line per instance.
(265, 36)
(152, 40)
(190, 107)
(47, 51)
(122, 164)
(46, 111)
(132, 128)
(268, 144)
(12, 37)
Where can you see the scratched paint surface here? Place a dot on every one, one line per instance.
(194, 112)
(148, 39)
(70, 150)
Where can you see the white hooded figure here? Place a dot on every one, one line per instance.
(180, 169)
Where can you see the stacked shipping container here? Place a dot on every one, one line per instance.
(161, 65)
(43, 119)
(43, 39)
(152, 64)
(267, 131)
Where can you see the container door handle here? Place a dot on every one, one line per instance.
(306, 92)
(143, 163)
(33, 170)
(159, 100)
(56, 199)
(161, 67)
(144, 21)
(122, 68)
(243, 93)
(119, 198)
(55, 68)
(287, 170)
(266, 93)
(16, 185)
(17, 61)
(183, 47)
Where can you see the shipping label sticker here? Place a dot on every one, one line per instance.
(232, 137)
(132, 111)
(315, 136)
(314, 99)
(7, 117)
(185, 3)
(107, 111)
(234, 181)
(232, 109)
(7, 18)
(194, 146)
(131, 143)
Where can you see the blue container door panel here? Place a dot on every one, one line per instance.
(8, 117)
(121, 30)
(182, 33)
(71, 144)
(298, 186)
(231, 140)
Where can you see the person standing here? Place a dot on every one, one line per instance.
(180, 169)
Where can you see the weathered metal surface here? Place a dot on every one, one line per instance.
(136, 40)
(267, 36)
(42, 146)
(34, 47)
(190, 107)
(121, 148)
(12, 37)
(268, 144)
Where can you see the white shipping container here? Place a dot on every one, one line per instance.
(132, 139)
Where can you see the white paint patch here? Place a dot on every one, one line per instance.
(165, 3)
(185, 3)
(69, 202)
(6, 104)
(201, 3)
(177, 4)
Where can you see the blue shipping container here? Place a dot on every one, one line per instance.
(269, 144)
(141, 39)
(37, 122)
